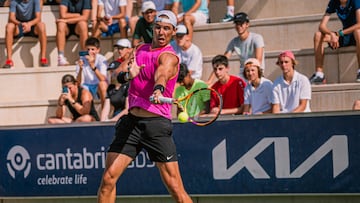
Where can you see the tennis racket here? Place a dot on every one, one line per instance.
(197, 106)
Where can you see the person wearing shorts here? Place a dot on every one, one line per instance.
(148, 125)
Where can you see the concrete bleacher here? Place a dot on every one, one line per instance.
(29, 92)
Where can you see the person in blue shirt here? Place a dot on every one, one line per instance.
(349, 35)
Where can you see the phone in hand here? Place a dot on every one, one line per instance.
(83, 53)
(65, 90)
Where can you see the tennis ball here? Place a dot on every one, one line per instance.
(183, 117)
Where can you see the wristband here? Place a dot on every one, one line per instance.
(159, 87)
(74, 102)
(121, 77)
(94, 69)
(341, 33)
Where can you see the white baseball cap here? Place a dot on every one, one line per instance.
(171, 18)
(181, 30)
(125, 43)
(147, 5)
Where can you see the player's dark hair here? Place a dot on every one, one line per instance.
(68, 78)
(92, 41)
(220, 60)
(182, 72)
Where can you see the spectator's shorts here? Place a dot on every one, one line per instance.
(347, 40)
(93, 89)
(112, 29)
(28, 34)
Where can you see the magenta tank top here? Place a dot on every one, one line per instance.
(141, 87)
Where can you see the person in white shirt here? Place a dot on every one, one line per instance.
(258, 92)
(188, 52)
(291, 90)
(91, 70)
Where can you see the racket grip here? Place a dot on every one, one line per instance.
(167, 100)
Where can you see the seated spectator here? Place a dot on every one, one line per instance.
(79, 102)
(91, 70)
(144, 26)
(73, 20)
(188, 52)
(116, 96)
(188, 84)
(230, 87)
(123, 46)
(195, 12)
(4, 3)
(246, 45)
(356, 105)
(348, 13)
(25, 20)
(291, 90)
(258, 92)
(114, 19)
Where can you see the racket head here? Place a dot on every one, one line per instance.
(197, 106)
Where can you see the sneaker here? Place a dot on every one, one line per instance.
(8, 64)
(62, 61)
(227, 18)
(315, 79)
(358, 77)
(44, 62)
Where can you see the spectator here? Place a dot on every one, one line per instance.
(230, 7)
(188, 52)
(230, 87)
(189, 84)
(91, 70)
(78, 100)
(291, 90)
(116, 96)
(4, 3)
(143, 29)
(195, 12)
(356, 105)
(124, 49)
(73, 20)
(348, 13)
(25, 20)
(114, 19)
(246, 45)
(258, 92)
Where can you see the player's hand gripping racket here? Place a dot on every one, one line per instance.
(195, 107)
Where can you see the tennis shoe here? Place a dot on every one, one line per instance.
(317, 80)
(62, 61)
(227, 18)
(44, 62)
(358, 77)
(8, 64)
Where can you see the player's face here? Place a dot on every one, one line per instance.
(149, 15)
(163, 33)
(285, 64)
(251, 72)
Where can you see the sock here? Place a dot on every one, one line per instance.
(61, 53)
(319, 74)
(230, 10)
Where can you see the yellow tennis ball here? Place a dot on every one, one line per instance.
(183, 117)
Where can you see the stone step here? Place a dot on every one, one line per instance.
(333, 97)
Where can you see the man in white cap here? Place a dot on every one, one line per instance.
(143, 29)
(124, 49)
(188, 52)
(148, 124)
(113, 21)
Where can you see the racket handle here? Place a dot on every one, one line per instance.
(167, 100)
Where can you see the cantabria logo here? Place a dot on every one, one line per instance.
(18, 160)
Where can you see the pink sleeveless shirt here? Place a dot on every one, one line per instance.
(141, 87)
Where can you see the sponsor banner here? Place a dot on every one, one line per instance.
(246, 156)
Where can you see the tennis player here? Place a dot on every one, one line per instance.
(148, 125)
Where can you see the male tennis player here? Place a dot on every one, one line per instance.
(148, 125)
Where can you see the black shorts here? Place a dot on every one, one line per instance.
(71, 28)
(31, 33)
(132, 134)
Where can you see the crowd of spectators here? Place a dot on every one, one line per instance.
(248, 93)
